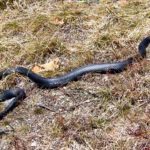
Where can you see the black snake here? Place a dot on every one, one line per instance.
(18, 94)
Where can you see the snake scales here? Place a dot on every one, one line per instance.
(18, 94)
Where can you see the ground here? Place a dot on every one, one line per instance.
(98, 112)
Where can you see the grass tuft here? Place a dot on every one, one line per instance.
(41, 22)
(13, 27)
(38, 111)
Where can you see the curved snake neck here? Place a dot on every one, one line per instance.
(18, 94)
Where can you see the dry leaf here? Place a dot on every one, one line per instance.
(51, 66)
(58, 21)
(123, 2)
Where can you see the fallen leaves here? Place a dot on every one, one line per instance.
(50, 66)
(57, 21)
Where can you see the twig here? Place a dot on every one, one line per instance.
(90, 147)
(77, 105)
(42, 106)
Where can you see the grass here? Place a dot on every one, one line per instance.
(97, 112)
(43, 48)
(41, 22)
(4, 3)
(13, 27)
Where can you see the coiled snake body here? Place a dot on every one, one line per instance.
(18, 94)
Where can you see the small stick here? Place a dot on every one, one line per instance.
(42, 106)
(90, 147)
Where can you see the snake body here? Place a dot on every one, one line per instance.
(18, 94)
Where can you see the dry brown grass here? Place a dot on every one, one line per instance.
(98, 112)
